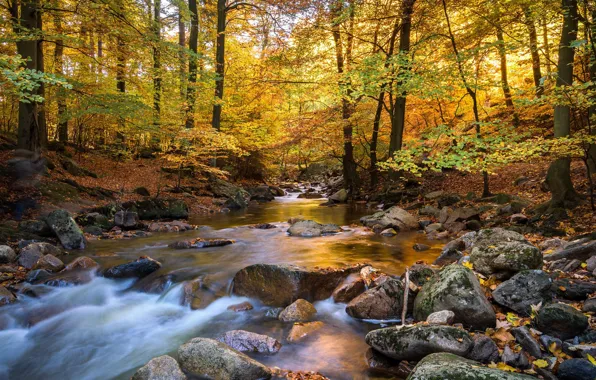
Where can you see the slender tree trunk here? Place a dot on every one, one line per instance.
(592, 110)
(43, 128)
(534, 51)
(25, 19)
(192, 64)
(220, 49)
(59, 69)
(559, 173)
(545, 45)
(156, 62)
(181, 54)
(398, 117)
(374, 171)
(504, 77)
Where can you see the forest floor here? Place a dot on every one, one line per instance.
(122, 177)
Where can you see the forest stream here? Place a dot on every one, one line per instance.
(107, 328)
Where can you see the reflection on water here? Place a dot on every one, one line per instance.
(101, 330)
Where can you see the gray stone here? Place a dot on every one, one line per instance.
(246, 341)
(515, 359)
(527, 341)
(382, 302)
(455, 288)
(310, 228)
(421, 247)
(139, 268)
(35, 251)
(448, 256)
(348, 291)
(484, 350)
(299, 311)
(7, 254)
(388, 232)
(580, 251)
(443, 366)
(434, 195)
(416, 342)
(429, 211)
(126, 219)
(66, 229)
(591, 264)
(504, 259)
(572, 289)
(340, 196)
(36, 227)
(393, 217)
(443, 317)
(6, 296)
(208, 357)
(50, 263)
(160, 368)
(589, 306)
(523, 290)
(561, 321)
(577, 369)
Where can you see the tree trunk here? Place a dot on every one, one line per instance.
(592, 110)
(220, 50)
(29, 131)
(156, 62)
(559, 172)
(374, 171)
(504, 79)
(59, 69)
(181, 55)
(534, 51)
(43, 128)
(545, 44)
(398, 117)
(192, 64)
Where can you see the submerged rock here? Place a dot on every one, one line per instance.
(523, 290)
(299, 311)
(208, 357)
(66, 229)
(561, 321)
(441, 366)
(280, 285)
(161, 368)
(310, 228)
(455, 288)
(301, 330)
(394, 217)
(245, 341)
(139, 268)
(382, 302)
(416, 342)
(200, 243)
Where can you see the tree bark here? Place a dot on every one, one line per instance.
(156, 62)
(59, 69)
(192, 64)
(220, 49)
(398, 117)
(592, 109)
(181, 55)
(559, 173)
(534, 51)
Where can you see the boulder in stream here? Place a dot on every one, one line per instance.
(310, 228)
(299, 311)
(200, 243)
(246, 341)
(415, 342)
(161, 368)
(139, 268)
(280, 285)
(393, 217)
(561, 321)
(50, 263)
(382, 302)
(523, 290)
(208, 357)
(66, 229)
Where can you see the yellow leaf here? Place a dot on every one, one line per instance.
(562, 288)
(504, 367)
(584, 265)
(591, 359)
(468, 265)
(541, 363)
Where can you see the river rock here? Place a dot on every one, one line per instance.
(348, 291)
(151, 208)
(414, 343)
(443, 317)
(245, 341)
(523, 290)
(261, 194)
(36, 227)
(200, 243)
(394, 217)
(6, 296)
(66, 229)
(429, 211)
(448, 200)
(484, 350)
(421, 247)
(310, 228)
(301, 330)
(389, 232)
(173, 226)
(139, 268)
(341, 196)
(242, 306)
(589, 306)
(280, 285)
(7, 254)
(571, 289)
(69, 278)
(561, 321)
(94, 219)
(582, 251)
(299, 311)
(515, 359)
(161, 368)
(455, 288)
(50, 263)
(577, 369)
(444, 365)
(382, 302)
(126, 219)
(420, 274)
(208, 357)
(237, 197)
(30, 254)
(81, 263)
(504, 259)
(527, 341)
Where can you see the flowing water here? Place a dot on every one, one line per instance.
(106, 329)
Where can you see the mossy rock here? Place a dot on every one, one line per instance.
(442, 366)
(455, 288)
(561, 321)
(58, 191)
(506, 258)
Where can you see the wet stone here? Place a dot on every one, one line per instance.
(244, 306)
(303, 330)
(245, 341)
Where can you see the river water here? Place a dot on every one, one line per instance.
(106, 329)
